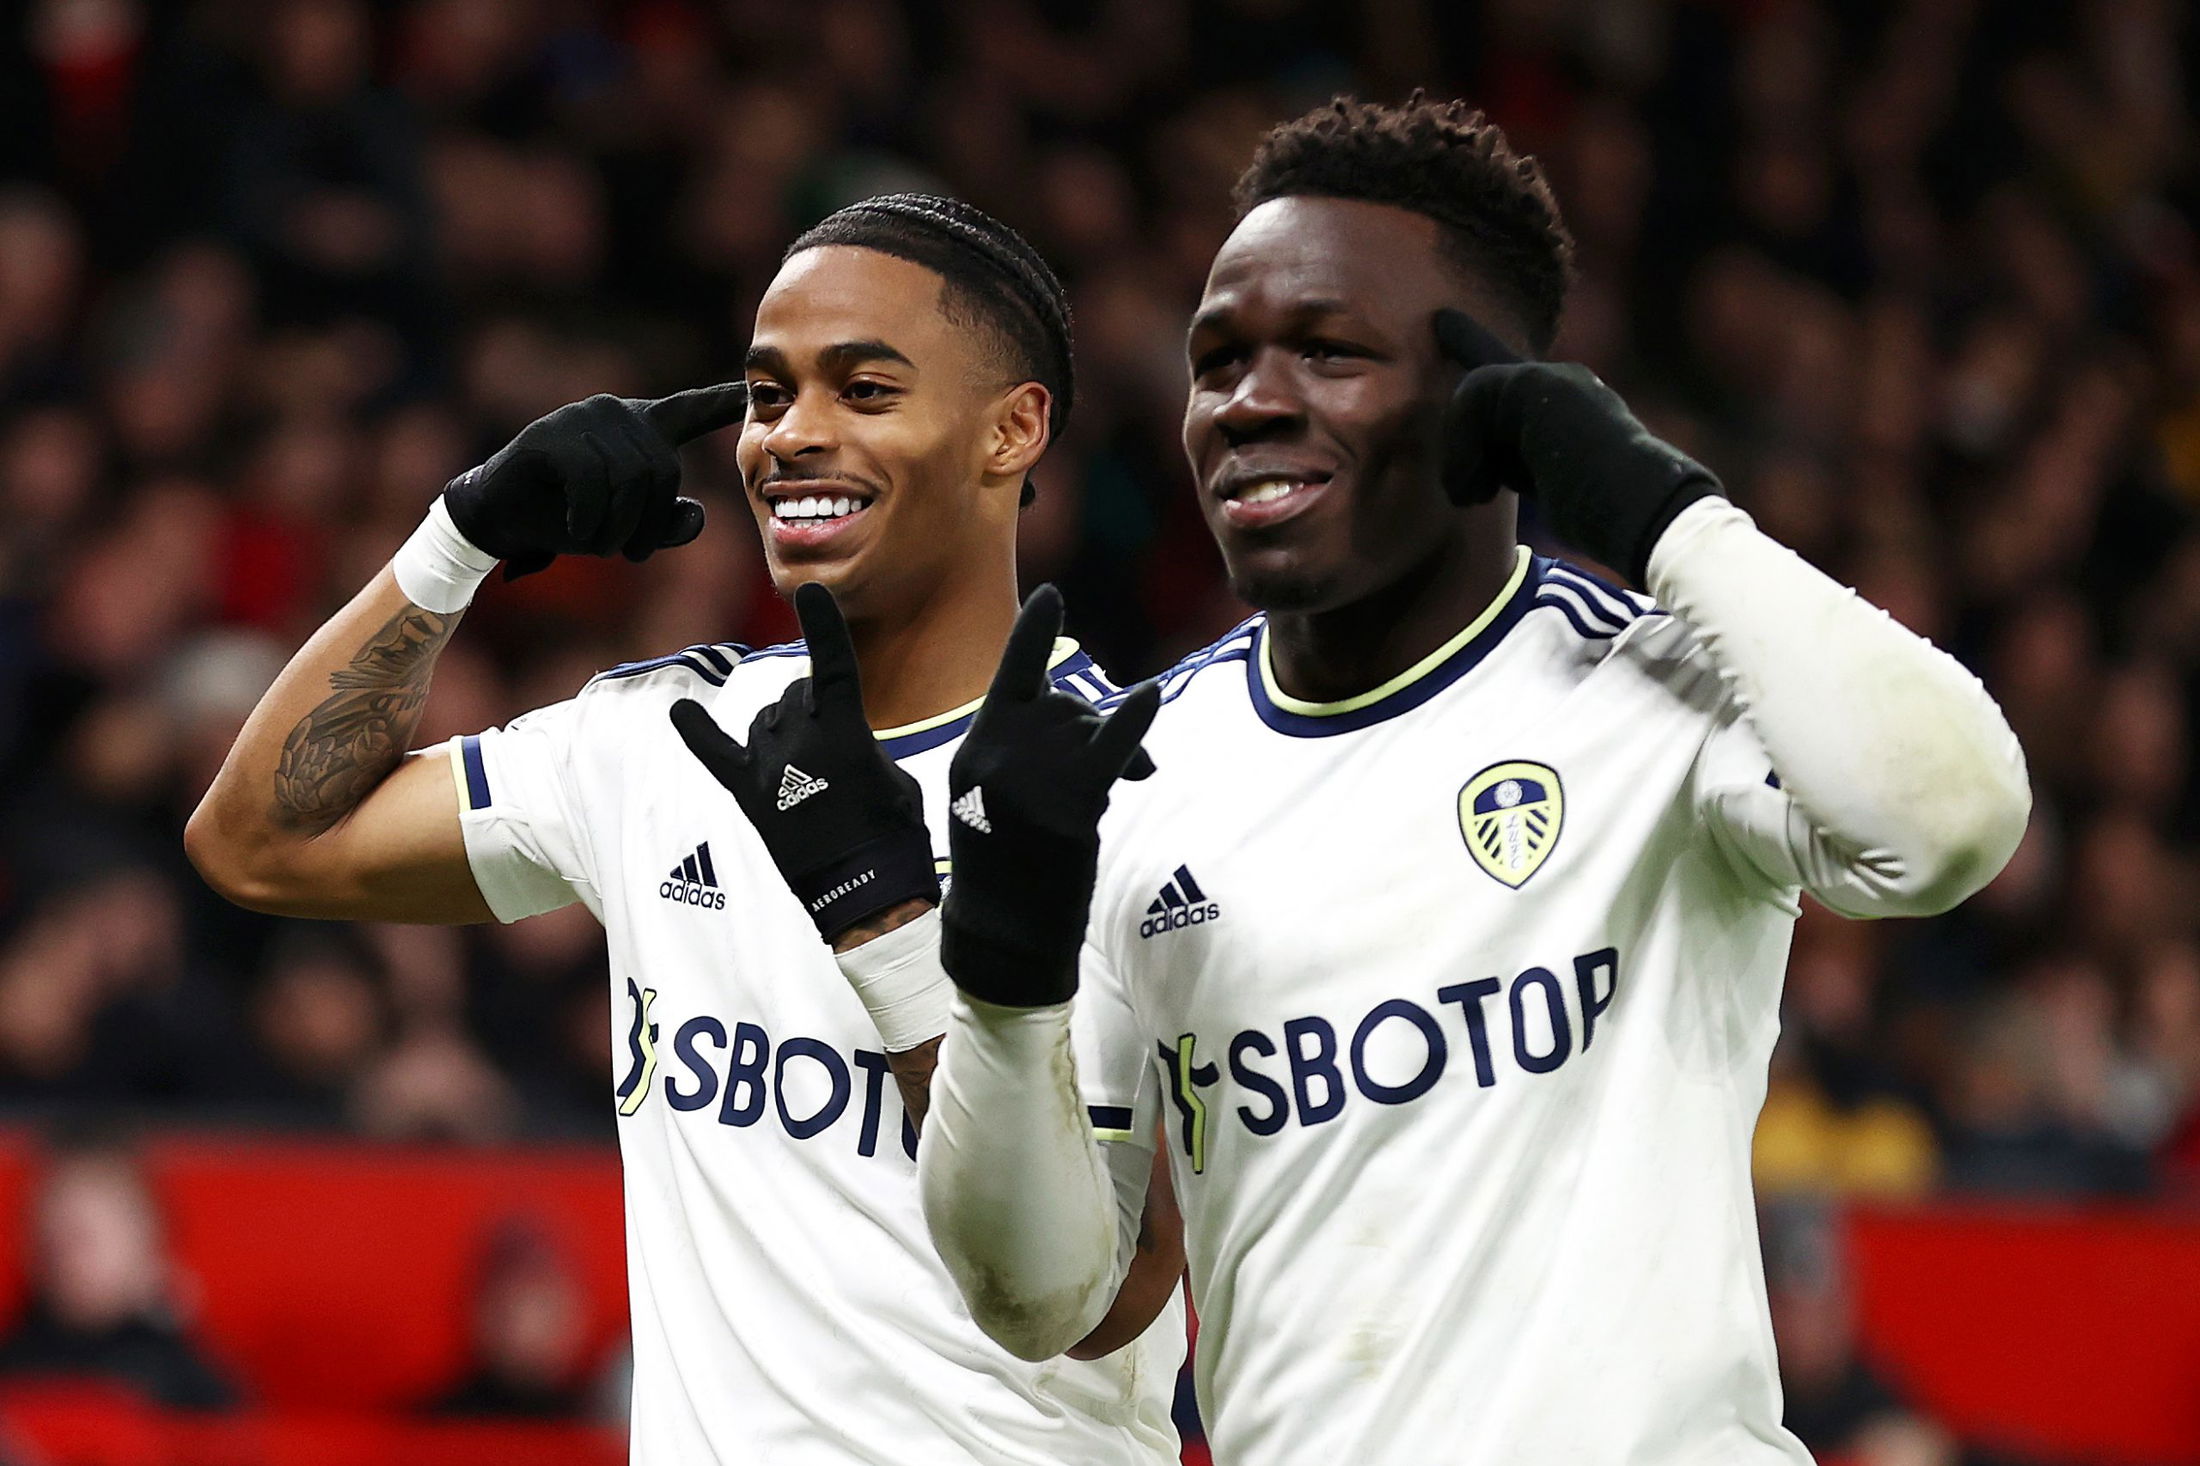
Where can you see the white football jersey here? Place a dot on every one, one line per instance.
(788, 1307)
(1457, 1004)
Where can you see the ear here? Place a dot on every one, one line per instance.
(1020, 431)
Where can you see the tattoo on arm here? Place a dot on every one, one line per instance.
(338, 752)
(913, 1077)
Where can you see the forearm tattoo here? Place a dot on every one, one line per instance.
(338, 752)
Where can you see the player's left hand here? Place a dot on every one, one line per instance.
(1029, 785)
(843, 822)
(1553, 431)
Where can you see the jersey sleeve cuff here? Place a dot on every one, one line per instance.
(512, 887)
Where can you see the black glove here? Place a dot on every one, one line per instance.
(843, 822)
(1554, 432)
(592, 477)
(1029, 785)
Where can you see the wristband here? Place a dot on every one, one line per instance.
(903, 987)
(877, 874)
(439, 569)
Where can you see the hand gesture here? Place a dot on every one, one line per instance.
(843, 822)
(1028, 787)
(1558, 435)
(591, 478)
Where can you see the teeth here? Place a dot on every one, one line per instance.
(1268, 490)
(815, 507)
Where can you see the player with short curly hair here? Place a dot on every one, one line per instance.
(1448, 937)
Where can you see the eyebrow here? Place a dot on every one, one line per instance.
(839, 356)
(1299, 313)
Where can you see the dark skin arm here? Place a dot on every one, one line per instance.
(1157, 1265)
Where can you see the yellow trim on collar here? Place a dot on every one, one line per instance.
(1411, 674)
(1064, 648)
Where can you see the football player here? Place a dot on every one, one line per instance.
(1448, 938)
(910, 363)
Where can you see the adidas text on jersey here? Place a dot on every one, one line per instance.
(1181, 904)
(694, 882)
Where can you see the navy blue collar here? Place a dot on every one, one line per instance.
(1408, 690)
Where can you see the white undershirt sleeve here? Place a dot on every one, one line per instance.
(1035, 1214)
(1901, 789)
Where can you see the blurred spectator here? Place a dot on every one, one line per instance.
(1836, 1404)
(529, 1360)
(103, 1299)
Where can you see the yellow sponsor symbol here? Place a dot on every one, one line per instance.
(1510, 814)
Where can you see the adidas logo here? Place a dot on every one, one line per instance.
(1181, 904)
(796, 786)
(694, 883)
(970, 809)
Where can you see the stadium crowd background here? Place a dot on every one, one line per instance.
(1917, 277)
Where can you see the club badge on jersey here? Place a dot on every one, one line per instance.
(1511, 814)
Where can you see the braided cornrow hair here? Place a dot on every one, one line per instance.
(1446, 161)
(995, 281)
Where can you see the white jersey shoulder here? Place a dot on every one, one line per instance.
(787, 1304)
(1458, 1021)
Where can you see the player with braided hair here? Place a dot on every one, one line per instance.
(910, 364)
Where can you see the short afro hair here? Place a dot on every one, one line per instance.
(1445, 161)
(995, 281)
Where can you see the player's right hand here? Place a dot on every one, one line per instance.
(843, 822)
(594, 477)
(1028, 787)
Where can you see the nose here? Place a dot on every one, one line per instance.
(1264, 401)
(803, 429)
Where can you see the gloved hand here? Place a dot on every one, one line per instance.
(1558, 435)
(1028, 787)
(843, 822)
(594, 476)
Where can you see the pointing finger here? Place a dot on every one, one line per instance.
(1463, 339)
(833, 672)
(687, 415)
(1023, 670)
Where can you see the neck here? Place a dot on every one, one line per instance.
(1341, 652)
(923, 660)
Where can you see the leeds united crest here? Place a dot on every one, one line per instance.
(1510, 814)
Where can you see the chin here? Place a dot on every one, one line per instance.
(1280, 589)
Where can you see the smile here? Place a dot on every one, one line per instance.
(814, 514)
(1256, 500)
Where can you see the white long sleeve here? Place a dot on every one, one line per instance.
(1902, 789)
(1017, 1192)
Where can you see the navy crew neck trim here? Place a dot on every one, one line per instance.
(1407, 698)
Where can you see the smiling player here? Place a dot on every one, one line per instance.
(1496, 862)
(910, 364)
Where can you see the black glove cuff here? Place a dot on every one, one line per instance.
(1009, 970)
(873, 877)
(1010, 933)
(1695, 484)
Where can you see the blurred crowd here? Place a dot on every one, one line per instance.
(1917, 277)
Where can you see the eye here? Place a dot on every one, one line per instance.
(865, 391)
(766, 397)
(1332, 351)
(1215, 359)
